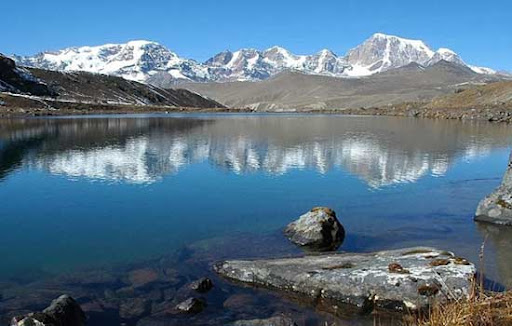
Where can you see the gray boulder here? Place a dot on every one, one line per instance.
(497, 207)
(396, 280)
(317, 230)
(63, 311)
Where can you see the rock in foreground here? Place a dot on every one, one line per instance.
(63, 311)
(394, 280)
(497, 207)
(317, 230)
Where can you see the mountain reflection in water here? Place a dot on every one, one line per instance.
(380, 151)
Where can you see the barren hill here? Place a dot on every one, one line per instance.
(294, 90)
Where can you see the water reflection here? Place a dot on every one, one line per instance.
(380, 151)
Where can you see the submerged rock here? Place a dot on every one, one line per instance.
(497, 207)
(362, 280)
(317, 230)
(133, 308)
(202, 285)
(272, 321)
(191, 306)
(63, 311)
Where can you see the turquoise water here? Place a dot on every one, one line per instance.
(92, 192)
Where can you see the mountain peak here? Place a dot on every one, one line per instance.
(277, 48)
(326, 52)
(445, 51)
(390, 36)
(382, 35)
(383, 52)
(141, 42)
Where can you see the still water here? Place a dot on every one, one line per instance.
(100, 193)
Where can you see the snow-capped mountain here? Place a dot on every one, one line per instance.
(153, 63)
(251, 64)
(135, 60)
(383, 52)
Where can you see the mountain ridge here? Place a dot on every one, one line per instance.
(150, 62)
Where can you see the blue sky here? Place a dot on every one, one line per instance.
(480, 31)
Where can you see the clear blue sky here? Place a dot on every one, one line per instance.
(480, 31)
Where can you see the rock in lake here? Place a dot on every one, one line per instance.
(364, 281)
(497, 207)
(317, 230)
(63, 311)
(191, 306)
(202, 285)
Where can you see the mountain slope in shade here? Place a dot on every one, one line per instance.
(95, 88)
(150, 62)
(83, 87)
(19, 80)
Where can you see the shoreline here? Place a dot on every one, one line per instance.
(30, 107)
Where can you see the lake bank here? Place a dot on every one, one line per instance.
(19, 106)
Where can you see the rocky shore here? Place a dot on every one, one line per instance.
(13, 106)
(19, 106)
(481, 113)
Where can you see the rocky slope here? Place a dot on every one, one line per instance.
(150, 62)
(497, 94)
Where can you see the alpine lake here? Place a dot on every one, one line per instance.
(123, 211)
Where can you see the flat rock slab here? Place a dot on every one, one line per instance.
(396, 280)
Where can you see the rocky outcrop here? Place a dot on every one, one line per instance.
(497, 207)
(317, 230)
(63, 311)
(396, 280)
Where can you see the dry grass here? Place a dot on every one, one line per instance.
(481, 308)
(493, 309)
